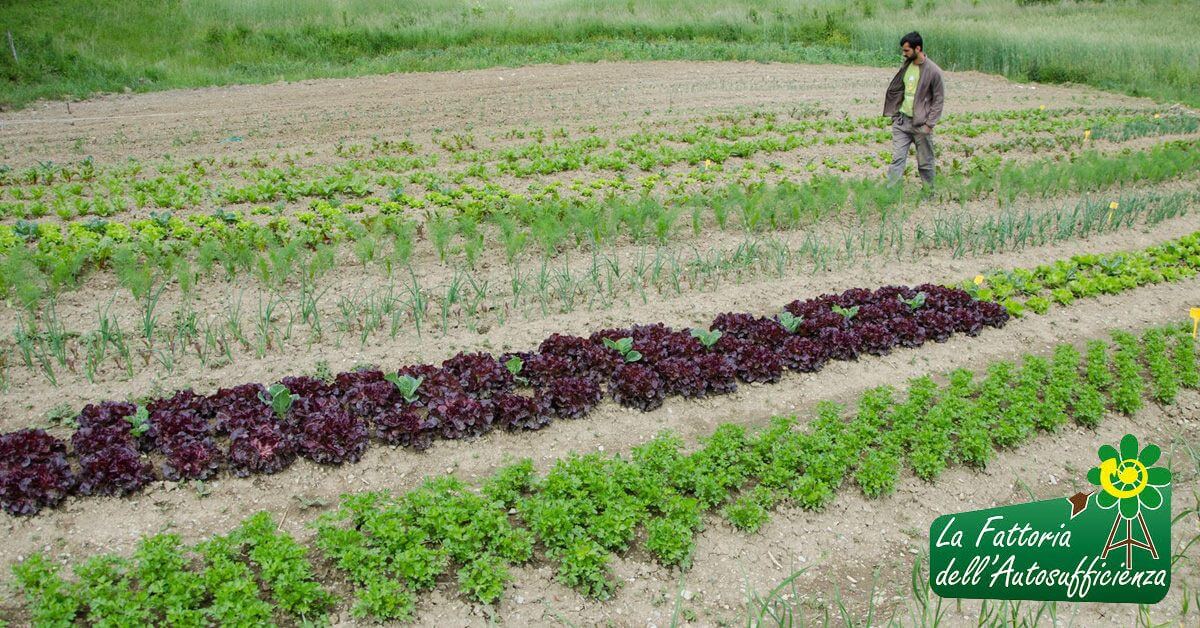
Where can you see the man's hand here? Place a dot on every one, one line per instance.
(926, 129)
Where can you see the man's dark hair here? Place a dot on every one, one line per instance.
(913, 40)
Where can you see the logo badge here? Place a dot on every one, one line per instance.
(1111, 544)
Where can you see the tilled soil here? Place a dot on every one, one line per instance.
(316, 113)
(843, 546)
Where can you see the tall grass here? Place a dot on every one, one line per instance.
(1142, 47)
(75, 47)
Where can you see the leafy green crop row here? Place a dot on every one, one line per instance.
(254, 576)
(44, 257)
(1088, 275)
(393, 168)
(390, 548)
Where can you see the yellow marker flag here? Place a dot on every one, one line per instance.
(1195, 312)
(1087, 134)
(1042, 108)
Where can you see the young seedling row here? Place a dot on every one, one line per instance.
(298, 306)
(39, 257)
(455, 174)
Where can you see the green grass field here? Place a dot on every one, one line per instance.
(71, 48)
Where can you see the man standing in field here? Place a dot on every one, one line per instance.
(914, 102)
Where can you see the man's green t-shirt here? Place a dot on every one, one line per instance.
(911, 77)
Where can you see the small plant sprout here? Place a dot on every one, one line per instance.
(515, 365)
(407, 384)
(708, 338)
(139, 421)
(202, 489)
(63, 414)
(624, 346)
(916, 302)
(847, 312)
(790, 321)
(280, 399)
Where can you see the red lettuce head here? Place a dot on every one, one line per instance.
(260, 448)
(637, 386)
(34, 472)
(570, 397)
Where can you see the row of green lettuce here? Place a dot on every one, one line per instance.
(387, 548)
(1061, 282)
(54, 257)
(401, 170)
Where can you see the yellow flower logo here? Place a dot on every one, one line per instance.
(1128, 477)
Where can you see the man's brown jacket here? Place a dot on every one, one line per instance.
(927, 104)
